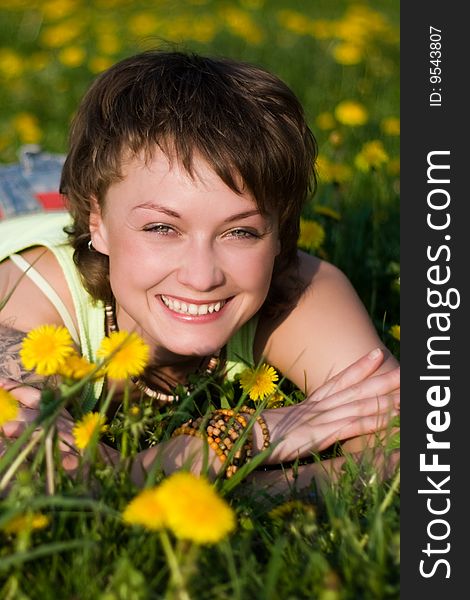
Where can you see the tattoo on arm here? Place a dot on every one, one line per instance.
(11, 366)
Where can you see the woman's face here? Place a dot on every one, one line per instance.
(190, 260)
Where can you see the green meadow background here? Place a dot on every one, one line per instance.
(341, 57)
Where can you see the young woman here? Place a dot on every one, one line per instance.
(185, 180)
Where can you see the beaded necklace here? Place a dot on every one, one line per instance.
(112, 326)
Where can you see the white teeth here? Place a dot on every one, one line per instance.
(192, 309)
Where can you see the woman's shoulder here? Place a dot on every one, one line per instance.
(316, 278)
(25, 304)
(324, 332)
(320, 277)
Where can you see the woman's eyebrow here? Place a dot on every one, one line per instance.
(242, 215)
(159, 208)
(172, 213)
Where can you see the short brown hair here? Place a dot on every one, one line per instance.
(244, 121)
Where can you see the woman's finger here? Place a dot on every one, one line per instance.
(354, 373)
(27, 395)
(375, 386)
(15, 428)
(389, 403)
(346, 428)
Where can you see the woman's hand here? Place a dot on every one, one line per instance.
(353, 403)
(29, 399)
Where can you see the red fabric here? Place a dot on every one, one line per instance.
(50, 200)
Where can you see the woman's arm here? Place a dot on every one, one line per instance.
(11, 366)
(319, 346)
(318, 476)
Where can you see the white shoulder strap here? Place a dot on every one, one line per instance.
(48, 291)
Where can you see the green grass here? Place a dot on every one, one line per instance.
(346, 546)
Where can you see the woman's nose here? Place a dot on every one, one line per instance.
(199, 268)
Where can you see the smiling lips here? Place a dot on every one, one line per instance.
(188, 308)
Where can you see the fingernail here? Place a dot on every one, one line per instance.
(375, 354)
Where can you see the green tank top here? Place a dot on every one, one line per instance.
(46, 229)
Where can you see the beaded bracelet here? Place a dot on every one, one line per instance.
(262, 423)
(189, 428)
(222, 433)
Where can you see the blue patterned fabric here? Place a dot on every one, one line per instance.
(32, 184)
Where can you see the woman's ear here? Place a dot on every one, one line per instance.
(98, 232)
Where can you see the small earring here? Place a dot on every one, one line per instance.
(90, 246)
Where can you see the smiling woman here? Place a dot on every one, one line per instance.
(205, 255)
(185, 181)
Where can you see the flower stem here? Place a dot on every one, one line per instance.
(125, 433)
(50, 483)
(177, 587)
(35, 437)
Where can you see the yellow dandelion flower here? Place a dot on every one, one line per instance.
(72, 56)
(9, 407)
(45, 349)
(53, 10)
(143, 24)
(91, 424)
(27, 521)
(205, 29)
(395, 332)
(146, 510)
(327, 211)
(371, 156)
(27, 127)
(312, 234)
(134, 411)
(241, 24)
(76, 367)
(276, 400)
(193, 510)
(11, 64)
(109, 43)
(325, 121)
(336, 138)
(351, 113)
(323, 166)
(289, 508)
(347, 54)
(125, 354)
(351, 30)
(294, 21)
(97, 64)
(332, 172)
(58, 36)
(341, 173)
(391, 126)
(259, 382)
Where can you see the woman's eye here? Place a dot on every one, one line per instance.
(243, 234)
(160, 229)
